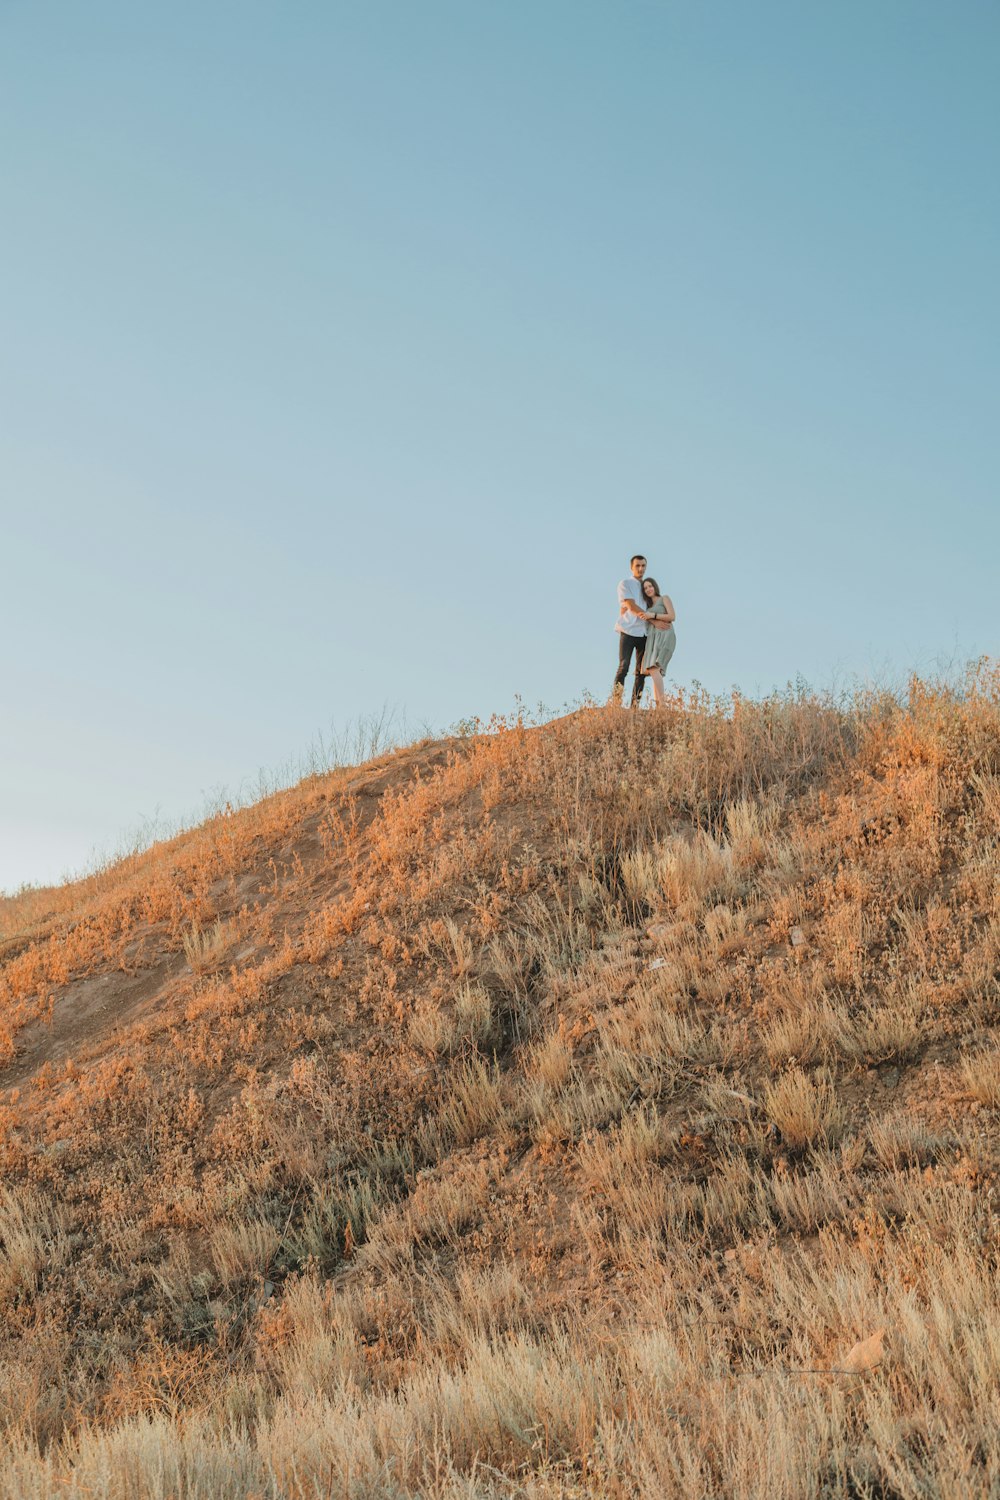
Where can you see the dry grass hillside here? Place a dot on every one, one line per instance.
(605, 1108)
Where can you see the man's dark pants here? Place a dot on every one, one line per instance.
(627, 645)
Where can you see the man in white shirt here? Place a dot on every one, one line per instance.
(631, 628)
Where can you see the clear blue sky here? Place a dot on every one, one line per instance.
(349, 350)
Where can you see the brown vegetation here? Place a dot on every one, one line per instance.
(548, 1112)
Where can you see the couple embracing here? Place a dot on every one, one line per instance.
(645, 629)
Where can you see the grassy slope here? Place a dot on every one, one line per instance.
(544, 1113)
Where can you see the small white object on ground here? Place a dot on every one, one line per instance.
(657, 963)
(797, 937)
(866, 1354)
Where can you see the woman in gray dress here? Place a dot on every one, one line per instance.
(660, 637)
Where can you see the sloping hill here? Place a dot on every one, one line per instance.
(547, 1112)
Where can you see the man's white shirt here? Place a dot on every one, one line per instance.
(628, 623)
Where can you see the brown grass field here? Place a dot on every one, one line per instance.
(603, 1108)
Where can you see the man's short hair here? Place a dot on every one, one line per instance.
(637, 558)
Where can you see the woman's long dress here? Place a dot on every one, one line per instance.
(659, 643)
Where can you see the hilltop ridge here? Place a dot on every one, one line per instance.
(544, 1111)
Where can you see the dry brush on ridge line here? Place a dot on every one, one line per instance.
(548, 1111)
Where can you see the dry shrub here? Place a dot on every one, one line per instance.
(474, 1019)
(436, 1214)
(476, 1303)
(185, 1288)
(899, 1140)
(514, 965)
(656, 1033)
(987, 787)
(587, 1100)
(806, 1202)
(439, 1212)
(459, 947)
(980, 1074)
(474, 1104)
(206, 950)
(880, 1033)
(31, 1238)
(432, 1029)
(682, 873)
(308, 1342)
(153, 1456)
(750, 826)
(640, 1140)
(162, 1378)
(803, 1035)
(339, 1213)
(628, 1168)
(725, 928)
(550, 1061)
(470, 1022)
(242, 1248)
(805, 1112)
(485, 1411)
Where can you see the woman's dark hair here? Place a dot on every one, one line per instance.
(656, 587)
